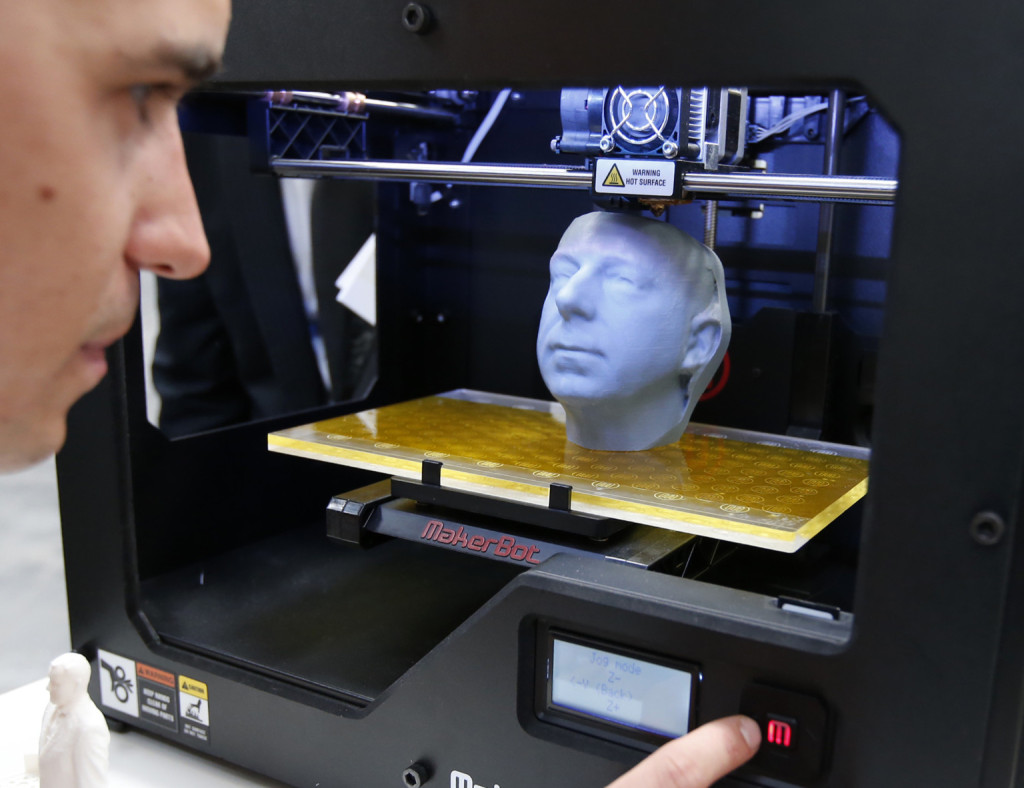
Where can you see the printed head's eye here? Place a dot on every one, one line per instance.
(621, 275)
(562, 269)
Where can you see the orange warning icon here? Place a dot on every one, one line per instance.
(614, 178)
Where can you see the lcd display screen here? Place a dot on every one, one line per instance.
(620, 689)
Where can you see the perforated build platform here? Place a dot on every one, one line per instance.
(764, 490)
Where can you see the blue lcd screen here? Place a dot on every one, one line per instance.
(620, 689)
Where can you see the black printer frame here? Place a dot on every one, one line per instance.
(925, 687)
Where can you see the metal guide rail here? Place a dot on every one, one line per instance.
(734, 184)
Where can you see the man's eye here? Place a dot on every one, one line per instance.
(147, 98)
(141, 96)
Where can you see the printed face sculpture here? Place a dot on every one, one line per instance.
(69, 677)
(634, 325)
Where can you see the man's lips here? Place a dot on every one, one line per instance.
(109, 333)
(96, 349)
(95, 354)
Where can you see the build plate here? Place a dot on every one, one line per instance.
(752, 488)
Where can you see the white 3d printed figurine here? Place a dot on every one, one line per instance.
(634, 325)
(74, 741)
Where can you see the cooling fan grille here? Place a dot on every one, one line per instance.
(642, 119)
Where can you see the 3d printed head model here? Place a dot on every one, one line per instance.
(634, 325)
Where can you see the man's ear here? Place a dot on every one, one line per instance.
(705, 337)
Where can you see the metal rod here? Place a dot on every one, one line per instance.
(815, 187)
(826, 214)
(447, 172)
(410, 110)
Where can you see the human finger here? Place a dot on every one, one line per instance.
(697, 759)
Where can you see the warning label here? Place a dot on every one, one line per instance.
(194, 702)
(200, 732)
(635, 177)
(614, 177)
(178, 703)
(118, 683)
(193, 687)
(158, 701)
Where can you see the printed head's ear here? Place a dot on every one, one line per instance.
(710, 331)
(705, 339)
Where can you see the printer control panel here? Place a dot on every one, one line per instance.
(641, 699)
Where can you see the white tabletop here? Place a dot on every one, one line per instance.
(137, 760)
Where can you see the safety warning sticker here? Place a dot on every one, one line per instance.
(118, 683)
(613, 178)
(175, 702)
(158, 701)
(194, 701)
(635, 177)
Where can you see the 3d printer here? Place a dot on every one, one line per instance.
(883, 651)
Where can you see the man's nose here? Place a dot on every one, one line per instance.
(576, 296)
(167, 234)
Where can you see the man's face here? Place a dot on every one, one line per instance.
(62, 687)
(616, 319)
(94, 189)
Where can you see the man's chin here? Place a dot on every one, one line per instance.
(30, 444)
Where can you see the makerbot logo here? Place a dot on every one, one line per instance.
(499, 546)
(463, 780)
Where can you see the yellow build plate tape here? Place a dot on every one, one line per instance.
(771, 491)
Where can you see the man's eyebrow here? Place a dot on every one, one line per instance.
(196, 63)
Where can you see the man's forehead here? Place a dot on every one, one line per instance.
(185, 33)
(195, 61)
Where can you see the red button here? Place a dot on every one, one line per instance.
(781, 732)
